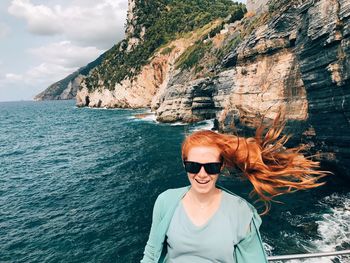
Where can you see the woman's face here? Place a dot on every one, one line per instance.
(202, 182)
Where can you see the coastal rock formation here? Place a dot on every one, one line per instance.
(292, 56)
(319, 45)
(137, 93)
(297, 62)
(261, 75)
(65, 89)
(142, 91)
(257, 6)
(323, 51)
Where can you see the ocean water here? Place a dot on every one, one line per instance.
(78, 185)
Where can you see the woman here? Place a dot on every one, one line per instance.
(204, 222)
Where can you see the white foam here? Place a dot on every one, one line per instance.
(104, 108)
(333, 229)
(268, 248)
(149, 117)
(178, 123)
(203, 125)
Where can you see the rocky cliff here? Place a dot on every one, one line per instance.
(292, 56)
(295, 59)
(257, 6)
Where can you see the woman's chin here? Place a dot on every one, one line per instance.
(202, 187)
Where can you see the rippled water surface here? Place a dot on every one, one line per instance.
(78, 185)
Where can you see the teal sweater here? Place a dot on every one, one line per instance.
(248, 250)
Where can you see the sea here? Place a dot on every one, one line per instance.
(79, 184)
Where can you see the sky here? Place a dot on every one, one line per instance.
(42, 42)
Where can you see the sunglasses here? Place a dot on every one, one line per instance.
(210, 168)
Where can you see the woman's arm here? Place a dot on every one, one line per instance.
(250, 249)
(148, 254)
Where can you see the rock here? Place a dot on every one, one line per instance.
(303, 68)
(65, 89)
(257, 6)
(323, 51)
(296, 61)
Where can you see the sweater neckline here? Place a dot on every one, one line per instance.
(211, 218)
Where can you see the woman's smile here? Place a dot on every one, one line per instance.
(202, 181)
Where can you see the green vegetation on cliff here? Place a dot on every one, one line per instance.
(193, 55)
(161, 21)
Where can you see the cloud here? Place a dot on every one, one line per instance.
(4, 30)
(46, 73)
(11, 77)
(32, 82)
(41, 19)
(25, 86)
(66, 54)
(91, 23)
(58, 60)
(40, 75)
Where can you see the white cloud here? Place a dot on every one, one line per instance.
(4, 30)
(92, 23)
(41, 19)
(58, 60)
(41, 75)
(25, 86)
(47, 73)
(11, 77)
(66, 54)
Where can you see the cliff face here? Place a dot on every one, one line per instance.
(292, 57)
(145, 89)
(259, 76)
(323, 51)
(296, 61)
(257, 6)
(311, 47)
(65, 89)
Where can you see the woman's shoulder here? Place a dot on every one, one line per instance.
(240, 211)
(237, 203)
(173, 193)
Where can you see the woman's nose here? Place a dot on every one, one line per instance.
(202, 172)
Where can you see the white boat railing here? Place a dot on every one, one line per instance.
(309, 255)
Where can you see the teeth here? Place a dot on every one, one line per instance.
(201, 182)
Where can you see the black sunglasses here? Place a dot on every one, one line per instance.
(210, 168)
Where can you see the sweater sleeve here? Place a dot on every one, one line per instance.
(148, 254)
(250, 249)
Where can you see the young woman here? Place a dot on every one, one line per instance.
(204, 222)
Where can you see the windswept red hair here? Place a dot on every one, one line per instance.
(272, 168)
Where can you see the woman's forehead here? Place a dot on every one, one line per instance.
(209, 153)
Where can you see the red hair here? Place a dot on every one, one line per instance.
(270, 167)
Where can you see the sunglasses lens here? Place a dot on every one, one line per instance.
(192, 167)
(212, 168)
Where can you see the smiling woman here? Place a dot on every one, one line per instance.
(204, 222)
